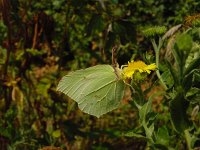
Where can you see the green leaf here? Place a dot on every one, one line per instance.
(5, 132)
(133, 134)
(193, 91)
(43, 86)
(56, 133)
(193, 95)
(167, 78)
(117, 12)
(96, 24)
(178, 108)
(193, 65)
(187, 82)
(149, 130)
(3, 55)
(184, 42)
(114, 1)
(145, 109)
(191, 74)
(196, 79)
(178, 56)
(197, 76)
(181, 51)
(151, 117)
(97, 90)
(162, 136)
(34, 52)
(118, 28)
(136, 132)
(173, 73)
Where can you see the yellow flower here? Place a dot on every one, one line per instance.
(136, 67)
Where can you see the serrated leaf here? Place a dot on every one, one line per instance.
(97, 90)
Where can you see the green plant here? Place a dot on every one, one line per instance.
(98, 90)
(42, 40)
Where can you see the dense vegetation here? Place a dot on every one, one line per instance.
(41, 41)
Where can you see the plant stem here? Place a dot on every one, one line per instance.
(157, 51)
(188, 139)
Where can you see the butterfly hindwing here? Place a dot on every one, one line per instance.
(97, 90)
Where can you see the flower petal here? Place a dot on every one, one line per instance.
(135, 67)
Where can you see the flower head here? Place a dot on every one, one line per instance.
(154, 30)
(137, 68)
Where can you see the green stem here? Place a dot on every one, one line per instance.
(188, 139)
(148, 134)
(139, 92)
(157, 51)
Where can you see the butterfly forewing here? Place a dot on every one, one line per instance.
(97, 90)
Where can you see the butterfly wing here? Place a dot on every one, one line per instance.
(97, 90)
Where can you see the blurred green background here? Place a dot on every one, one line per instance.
(40, 41)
